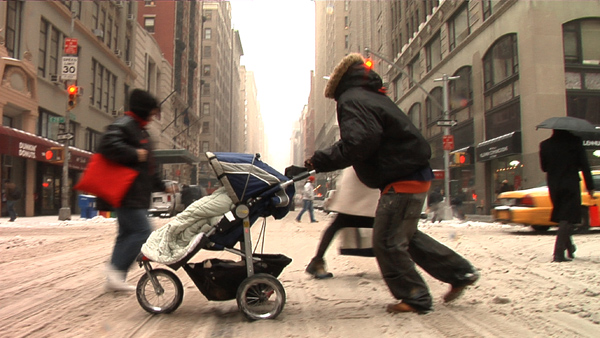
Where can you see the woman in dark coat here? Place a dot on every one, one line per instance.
(562, 156)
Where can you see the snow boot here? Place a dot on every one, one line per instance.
(316, 267)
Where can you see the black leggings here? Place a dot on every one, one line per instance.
(342, 221)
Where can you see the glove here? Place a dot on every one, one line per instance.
(308, 164)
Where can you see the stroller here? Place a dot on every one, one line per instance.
(256, 190)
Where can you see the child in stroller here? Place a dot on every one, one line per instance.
(251, 189)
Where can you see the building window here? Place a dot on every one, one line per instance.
(207, 15)
(205, 146)
(206, 109)
(414, 70)
(205, 128)
(206, 89)
(206, 70)
(207, 33)
(149, 22)
(414, 114)
(501, 61)
(43, 48)
(207, 52)
(54, 51)
(149, 3)
(346, 42)
(398, 88)
(434, 111)
(458, 27)
(346, 22)
(92, 138)
(487, 9)
(103, 88)
(434, 52)
(13, 27)
(581, 44)
(461, 90)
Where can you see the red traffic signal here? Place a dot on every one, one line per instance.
(72, 90)
(55, 154)
(369, 63)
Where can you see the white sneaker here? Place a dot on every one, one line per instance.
(115, 280)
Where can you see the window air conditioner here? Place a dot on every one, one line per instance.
(130, 17)
(98, 33)
(118, 52)
(128, 63)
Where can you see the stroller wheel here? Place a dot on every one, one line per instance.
(261, 296)
(163, 293)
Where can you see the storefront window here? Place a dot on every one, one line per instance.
(509, 169)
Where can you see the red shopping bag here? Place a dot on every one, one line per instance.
(594, 216)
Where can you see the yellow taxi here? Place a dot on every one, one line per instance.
(533, 206)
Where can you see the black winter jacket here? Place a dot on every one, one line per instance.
(119, 144)
(376, 137)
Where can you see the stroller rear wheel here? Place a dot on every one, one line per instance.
(162, 293)
(261, 296)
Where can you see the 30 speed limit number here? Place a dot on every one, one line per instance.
(69, 68)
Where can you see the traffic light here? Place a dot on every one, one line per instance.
(369, 63)
(55, 154)
(72, 91)
(460, 158)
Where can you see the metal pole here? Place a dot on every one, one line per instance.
(446, 113)
(65, 211)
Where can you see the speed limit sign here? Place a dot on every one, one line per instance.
(69, 68)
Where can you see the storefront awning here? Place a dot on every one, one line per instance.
(168, 156)
(15, 142)
(501, 146)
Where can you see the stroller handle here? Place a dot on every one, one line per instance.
(297, 178)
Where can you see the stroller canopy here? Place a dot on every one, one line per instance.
(245, 176)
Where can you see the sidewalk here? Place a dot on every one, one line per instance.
(52, 220)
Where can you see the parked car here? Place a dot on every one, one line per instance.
(533, 207)
(318, 202)
(328, 199)
(167, 204)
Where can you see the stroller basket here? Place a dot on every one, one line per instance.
(219, 279)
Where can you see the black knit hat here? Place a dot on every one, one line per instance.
(141, 103)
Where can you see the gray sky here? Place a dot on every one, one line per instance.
(278, 38)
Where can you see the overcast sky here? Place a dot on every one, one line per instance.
(278, 38)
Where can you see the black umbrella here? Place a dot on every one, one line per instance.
(568, 123)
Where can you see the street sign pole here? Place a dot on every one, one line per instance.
(447, 213)
(65, 211)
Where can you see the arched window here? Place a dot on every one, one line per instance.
(580, 39)
(461, 89)
(434, 112)
(501, 61)
(414, 114)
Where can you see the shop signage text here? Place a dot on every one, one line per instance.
(27, 150)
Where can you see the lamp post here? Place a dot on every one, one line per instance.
(447, 213)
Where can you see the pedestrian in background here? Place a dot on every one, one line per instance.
(126, 141)
(308, 197)
(388, 153)
(562, 156)
(435, 204)
(355, 204)
(13, 194)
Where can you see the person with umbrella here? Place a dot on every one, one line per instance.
(562, 156)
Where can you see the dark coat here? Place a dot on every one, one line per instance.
(562, 156)
(376, 137)
(119, 144)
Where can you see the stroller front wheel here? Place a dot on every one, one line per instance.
(161, 292)
(261, 296)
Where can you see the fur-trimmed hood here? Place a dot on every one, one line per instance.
(351, 72)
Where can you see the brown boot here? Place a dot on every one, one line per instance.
(316, 267)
